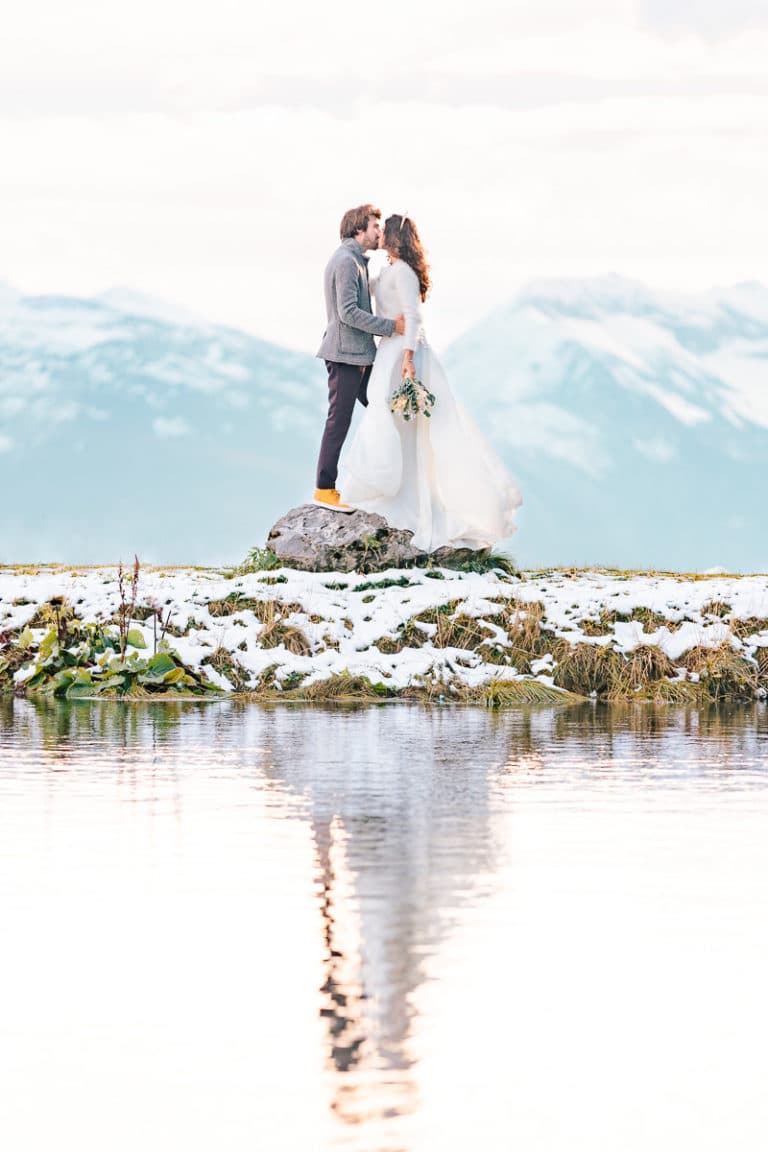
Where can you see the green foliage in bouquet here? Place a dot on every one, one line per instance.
(412, 399)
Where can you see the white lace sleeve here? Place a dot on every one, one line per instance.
(410, 302)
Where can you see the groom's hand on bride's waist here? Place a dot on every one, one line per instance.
(400, 326)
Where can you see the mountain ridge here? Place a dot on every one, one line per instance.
(635, 422)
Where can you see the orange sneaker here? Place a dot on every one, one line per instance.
(330, 498)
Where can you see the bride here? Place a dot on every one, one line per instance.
(436, 476)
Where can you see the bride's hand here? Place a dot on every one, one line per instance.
(407, 369)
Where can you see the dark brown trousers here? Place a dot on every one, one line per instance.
(346, 384)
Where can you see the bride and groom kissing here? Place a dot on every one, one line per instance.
(437, 477)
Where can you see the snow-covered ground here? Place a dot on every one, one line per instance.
(344, 616)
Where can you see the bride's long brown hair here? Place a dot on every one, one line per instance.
(402, 240)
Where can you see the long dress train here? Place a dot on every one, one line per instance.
(437, 476)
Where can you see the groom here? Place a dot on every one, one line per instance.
(347, 346)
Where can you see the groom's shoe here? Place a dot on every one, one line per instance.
(330, 498)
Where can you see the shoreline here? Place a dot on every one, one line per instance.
(551, 636)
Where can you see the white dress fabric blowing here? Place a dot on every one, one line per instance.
(436, 476)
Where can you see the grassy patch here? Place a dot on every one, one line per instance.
(527, 639)
(272, 615)
(599, 627)
(460, 631)
(724, 674)
(650, 619)
(258, 560)
(263, 610)
(672, 692)
(587, 668)
(344, 686)
(227, 665)
(485, 561)
(290, 637)
(716, 608)
(408, 635)
(749, 627)
(432, 615)
(642, 667)
(388, 582)
(510, 693)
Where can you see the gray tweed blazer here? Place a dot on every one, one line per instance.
(348, 339)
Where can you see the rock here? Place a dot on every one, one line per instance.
(316, 540)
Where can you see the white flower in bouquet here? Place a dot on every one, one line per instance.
(411, 399)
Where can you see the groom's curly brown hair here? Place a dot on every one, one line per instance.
(356, 220)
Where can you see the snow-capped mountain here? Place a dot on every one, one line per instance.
(635, 421)
(127, 426)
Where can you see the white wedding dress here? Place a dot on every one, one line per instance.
(436, 476)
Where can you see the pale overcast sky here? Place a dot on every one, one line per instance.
(205, 152)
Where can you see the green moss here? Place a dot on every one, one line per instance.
(388, 582)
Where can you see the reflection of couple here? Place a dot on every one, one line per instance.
(436, 476)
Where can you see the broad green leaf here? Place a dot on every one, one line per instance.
(61, 682)
(81, 691)
(136, 639)
(49, 645)
(25, 638)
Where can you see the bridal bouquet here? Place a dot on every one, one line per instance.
(412, 399)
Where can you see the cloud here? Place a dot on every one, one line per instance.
(5, 443)
(170, 428)
(538, 139)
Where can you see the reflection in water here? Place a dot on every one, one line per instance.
(417, 821)
(386, 816)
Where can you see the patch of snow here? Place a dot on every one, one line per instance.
(683, 410)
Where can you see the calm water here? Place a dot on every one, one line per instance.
(227, 927)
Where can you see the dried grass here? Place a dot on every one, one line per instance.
(724, 674)
(343, 686)
(672, 692)
(287, 635)
(650, 619)
(716, 608)
(749, 627)
(263, 610)
(527, 638)
(271, 614)
(227, 665)
(638, 670)
(511, 693)
(587, 668)
(461, 631)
